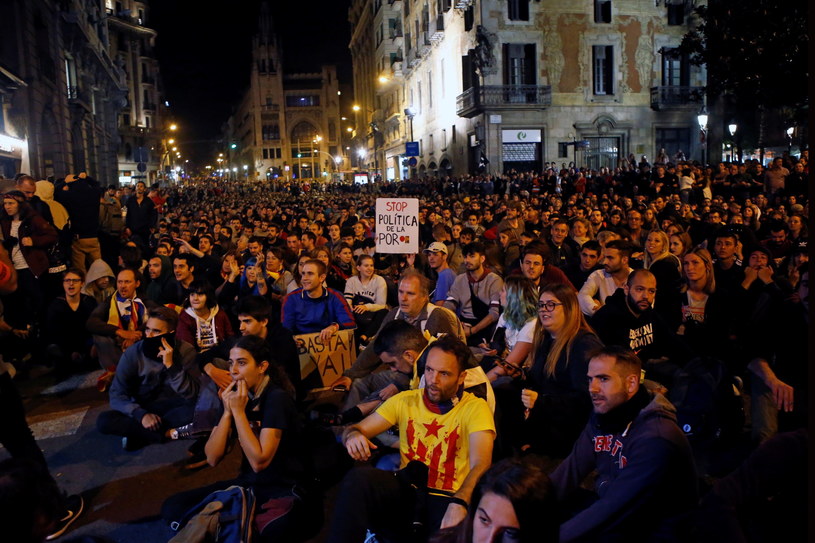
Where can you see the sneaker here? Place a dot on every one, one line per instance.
(104, 381)
(74, 505)
(187, 432)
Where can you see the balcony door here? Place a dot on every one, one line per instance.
(675, 69)
(519, 70)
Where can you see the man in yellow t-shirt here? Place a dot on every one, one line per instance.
(446, 429)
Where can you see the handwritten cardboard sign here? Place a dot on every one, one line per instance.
(397, 225)
(329, 359)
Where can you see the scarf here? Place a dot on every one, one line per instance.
(121, 312)
(618, 419)
(442, 408)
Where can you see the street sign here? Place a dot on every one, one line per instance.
(397, 225)
(412, 148)
(142, 167)
(412, 161)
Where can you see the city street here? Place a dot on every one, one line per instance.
(123, 491)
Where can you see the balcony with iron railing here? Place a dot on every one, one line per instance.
(676, 97)
(476, 100)
(424, 43)
(79, 97)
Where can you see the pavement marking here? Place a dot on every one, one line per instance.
(57, 424)
(75, 382)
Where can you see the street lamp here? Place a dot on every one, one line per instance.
(732, 127)
(410, 113)
(702, 120)
(790, 132)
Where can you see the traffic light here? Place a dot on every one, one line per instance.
(233, 145)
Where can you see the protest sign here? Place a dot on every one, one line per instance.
(330, 359)
(397, 225)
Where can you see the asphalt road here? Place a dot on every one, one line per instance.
(123, 491)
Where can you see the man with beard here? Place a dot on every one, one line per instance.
(603, 283)
(475, 295)
(450, 431)
(646, 482)
(628, 318)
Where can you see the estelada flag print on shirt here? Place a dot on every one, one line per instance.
(440, 441)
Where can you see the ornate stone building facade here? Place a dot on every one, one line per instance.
(143, 124)
(67, 90)
(286, 125)
(519, 82)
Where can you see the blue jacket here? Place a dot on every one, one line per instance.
(646, 481)
(305, 315)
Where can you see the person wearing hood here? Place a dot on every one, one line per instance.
(646, 476)
(99, 282)
(160, 289)
(202, 324)
(154, 387)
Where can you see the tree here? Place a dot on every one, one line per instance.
(756, 55)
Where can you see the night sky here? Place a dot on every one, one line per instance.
(204, 55)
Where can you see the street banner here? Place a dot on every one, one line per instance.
(329, 359)
(397, 225)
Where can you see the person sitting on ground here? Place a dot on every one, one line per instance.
(415, 308)
(161, 288)
(510, 347)
(588, 263)
(602, 283)
(258, 408)
(314, 308)
(514, 499)
(67, 338)
(474, 295)
(440, 270)
(430, 420)
(646, 478)
(202, 324)
(155, 385)
(366, 294)
(554, 406)
(666, 268)
(116, 324)
(100, 281)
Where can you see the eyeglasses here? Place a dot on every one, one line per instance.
(72, 280)
(548, 306)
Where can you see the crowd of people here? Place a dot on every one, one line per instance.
(552, 325)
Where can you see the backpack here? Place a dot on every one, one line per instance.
(224, 516)
(110, 217)
(708, 405)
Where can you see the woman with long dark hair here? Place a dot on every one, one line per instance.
(556, 399)
(513, 501)
(258, 407)
(27, 237)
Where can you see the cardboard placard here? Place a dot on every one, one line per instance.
(397, 225)
(330, 359)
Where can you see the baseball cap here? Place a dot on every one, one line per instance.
(436, 247)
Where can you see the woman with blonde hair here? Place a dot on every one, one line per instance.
(703, 311)
(556, 402)
(666, 267)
